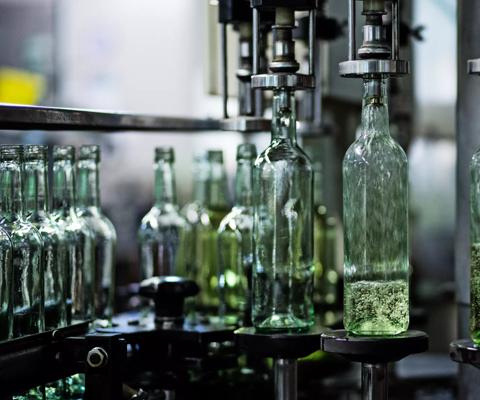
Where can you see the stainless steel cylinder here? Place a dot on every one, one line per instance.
(374, 382)
(285, 379)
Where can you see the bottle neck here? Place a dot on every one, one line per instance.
(375, 120)
(283, 116)
(318, 184)
(217, 196)
(35, 187)
(63, 199)
(88, 188)
(164, 183)
(244, 183)
(11, 197)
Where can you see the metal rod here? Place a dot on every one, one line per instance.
(352, 46)
(256, 40)
(285, 381)
(312, 41)
(374, 382)
(395, 30)
(317, 102)
(20, 117)
(223, 41)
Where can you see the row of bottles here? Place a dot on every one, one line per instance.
(254, 262)
(56, 257)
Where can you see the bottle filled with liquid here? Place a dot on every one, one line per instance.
(164, 234)
(79, 238)
(283, 229)
(375, 206)
(54, 253)
(235, 244)
(216, 208)
(104, 234)
(28, 274)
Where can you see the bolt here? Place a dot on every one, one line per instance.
(97, 357)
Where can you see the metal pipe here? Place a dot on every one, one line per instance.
(285, 379)
(256, 40)
(352, 46)
(312, 41)
(223, 41)
(395, 30)
(374, 382)
(317, 102)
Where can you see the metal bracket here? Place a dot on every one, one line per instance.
(356, 68)
(279, 81)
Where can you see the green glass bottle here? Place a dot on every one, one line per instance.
(235, 244)
(104, 234)
(28, 278)
(164, 234)
(475, 248)
(54, 244)
(283, 229)
(216, 208)
(375, 207)
(79, 238)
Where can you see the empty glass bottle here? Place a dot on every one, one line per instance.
(28, 279)
(475, 248)
(235, 243)
(375, 206)
(6, 286)
(163, 235)
(104, 235)
(283, 230)
(79, 238)
(216, 208)
(54, 245)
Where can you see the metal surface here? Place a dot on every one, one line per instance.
(395, 30)
(285, 379)
(374, 349)
(360, 68)
(20, 117)
(374, 382)
(256, 40)
(246, 124)
(464, 351)
(278, 81)
(352, 44)
(474, 66)
(312, 41)
(468, 139)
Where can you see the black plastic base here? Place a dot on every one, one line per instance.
(464, 351)
(279, 345)
(372, 349)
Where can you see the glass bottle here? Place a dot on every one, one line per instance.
(6, 286)
(375, 206)
(28, 279)
(79, 238)
(104, 235)
(54, 245)
(163, 235)
(235, 244)
(283, 229)
(216, 208)
(475, 248)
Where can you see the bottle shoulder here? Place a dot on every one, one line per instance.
(97, 222)
(238, 219)
(157, 218)
(375, 149)
(284, 152)
(23, 231)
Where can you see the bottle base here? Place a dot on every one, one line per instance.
(278, 323)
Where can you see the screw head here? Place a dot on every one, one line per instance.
(97, 357)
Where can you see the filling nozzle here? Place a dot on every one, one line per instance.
(375, 44)
(283, 59)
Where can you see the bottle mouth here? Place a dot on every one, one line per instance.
(64, 153)
(164, 154)
(246, 151)
(215, 156)
(35, 152)
(11, 152)
(89, 152)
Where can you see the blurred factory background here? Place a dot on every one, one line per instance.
(154, 57)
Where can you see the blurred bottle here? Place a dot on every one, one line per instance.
(104, 235)
(6, 283)
(54, 245)
(216, 208)
(27, 276)
(79, 238)
(164, 234)
(235, 244)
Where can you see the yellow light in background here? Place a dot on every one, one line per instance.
(20, 87)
